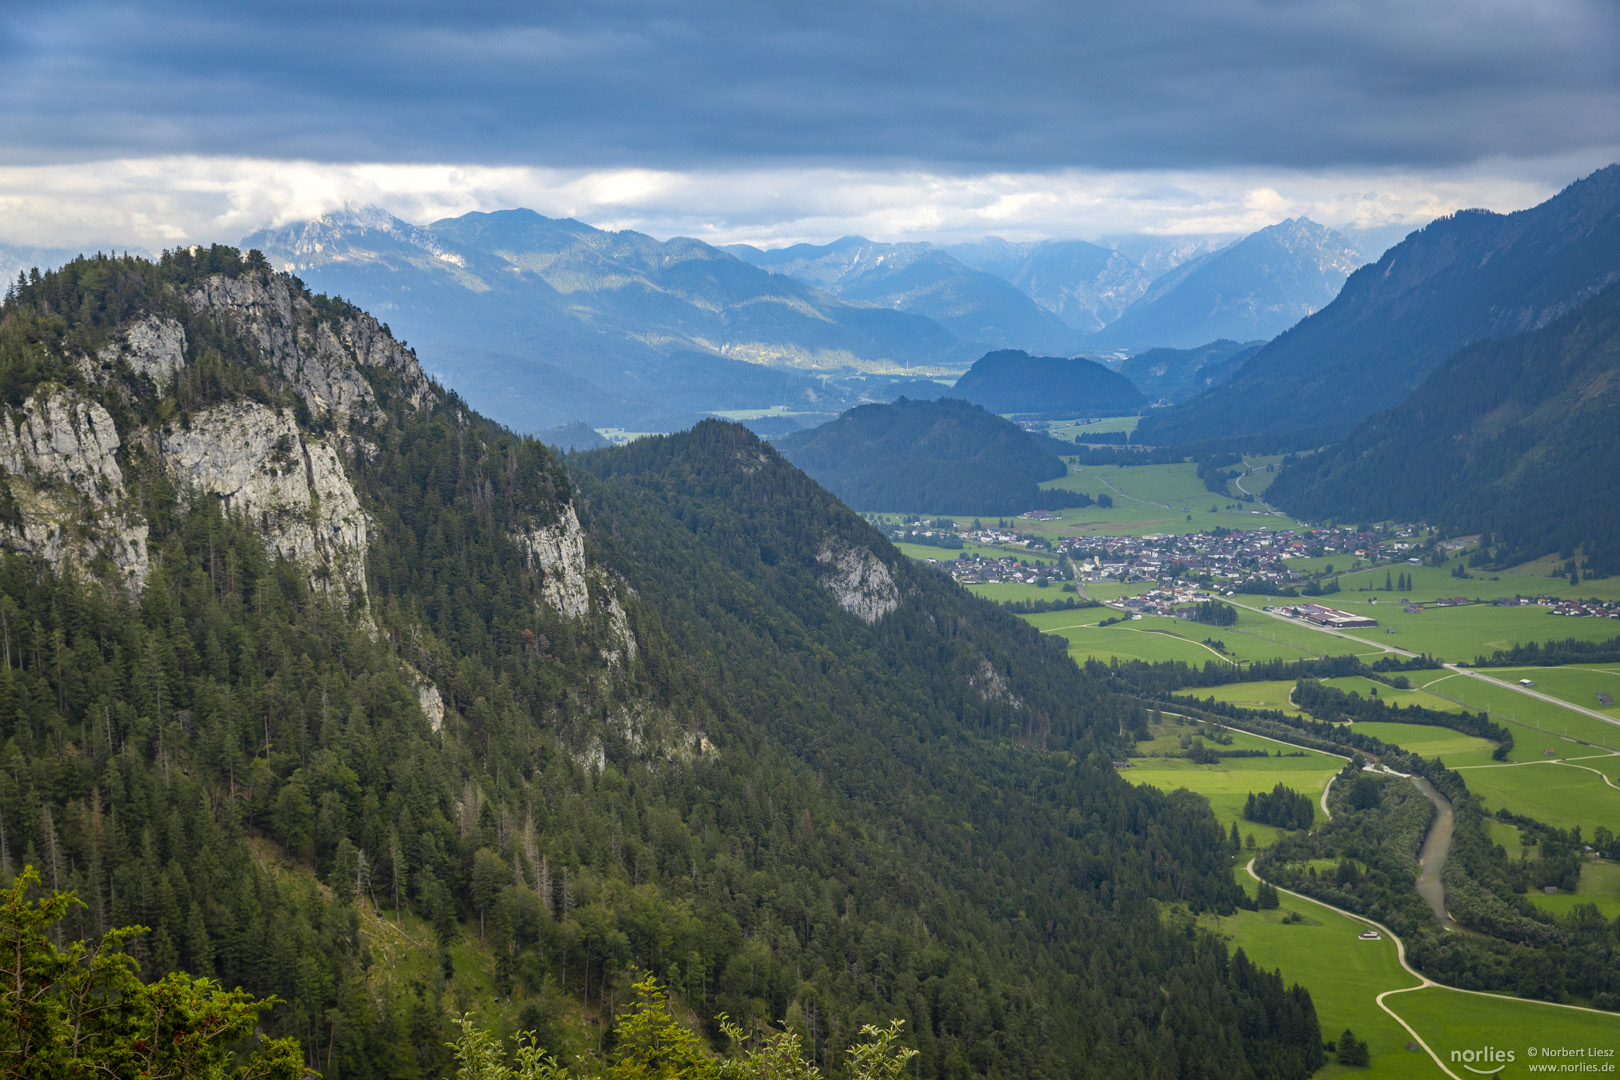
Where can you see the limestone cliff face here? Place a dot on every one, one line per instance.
(258, 462)
(558, 552)
(154, 347)
(322, 357)
(859, 581)
(59, 453)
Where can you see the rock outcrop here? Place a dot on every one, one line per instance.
(60, 453)
(321, 355)
(859, 580)
(154, 347)
(558, 552)
(258, 462)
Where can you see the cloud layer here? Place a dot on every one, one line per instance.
(177, 122)
(153, 203)
(1023, 85)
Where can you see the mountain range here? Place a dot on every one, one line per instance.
(1472, 275)
(543, 321)
(1255, 288)
(924, 280)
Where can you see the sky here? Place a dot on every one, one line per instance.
(154, 124)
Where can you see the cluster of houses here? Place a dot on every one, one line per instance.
(1240, 554)
(974, 569)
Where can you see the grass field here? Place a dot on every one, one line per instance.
(1454, 748)
(1228, 784)
(1461, 634)
(1250, 695)
(1343, 973)
(1507, 836)
(1578, 684)
(1538, 725)
(1551, 792)
(1599, 886)
(927, 551)
(1429, 582)
(1152, 499)
(1004, 591)
(1450, 1020)
(1077, 430)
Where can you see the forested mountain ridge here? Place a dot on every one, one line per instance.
(273, 599)
(1472, 275)
(1514, 439)
(1012, 381)
(941, 456)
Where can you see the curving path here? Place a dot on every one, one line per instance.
(1423, 981)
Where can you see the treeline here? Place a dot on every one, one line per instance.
(1331, 703)
(1553, 653)
(1031, 607)
(1282, 807)
(1213, 613)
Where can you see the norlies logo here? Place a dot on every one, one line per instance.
(1485, 1055)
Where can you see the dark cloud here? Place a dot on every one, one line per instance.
(1026, 84)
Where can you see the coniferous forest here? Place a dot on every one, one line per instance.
(729, 738)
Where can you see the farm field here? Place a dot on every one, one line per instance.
(1343, 973)
(1551, 792)
(1126, 641)
(1459, 635)
(925, 552)
(1152, 499)
(1454, 748)
(1249, 695)
(1074, 430)
(1430, 582)
(1600, 886)
(1538, 725)
(1578, 684)
(1105, 641)
(1451, 1020)
(1228, 784)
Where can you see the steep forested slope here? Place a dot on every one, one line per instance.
(1515, 438)
(944, 457)
(1472, 275)
(296, 646)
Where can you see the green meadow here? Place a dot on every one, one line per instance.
(1454, 748)
(1227, 785)
(1153, 499)
(1461, 634)
(1552, 792)
(1455, 1021)
(1077, 430)
(1538, 725)
(1344, 974)
(1578, 684)
(1431, 582)
(1599, 886)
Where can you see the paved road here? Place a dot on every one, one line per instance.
(1453, 668)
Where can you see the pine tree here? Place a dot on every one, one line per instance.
(1352, 1051)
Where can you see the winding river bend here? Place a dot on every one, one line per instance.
(1432, 856)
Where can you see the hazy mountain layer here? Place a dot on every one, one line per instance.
(1255, 288)
(1177, 374)
(543, 321)
(974, 305)
(943, 457)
